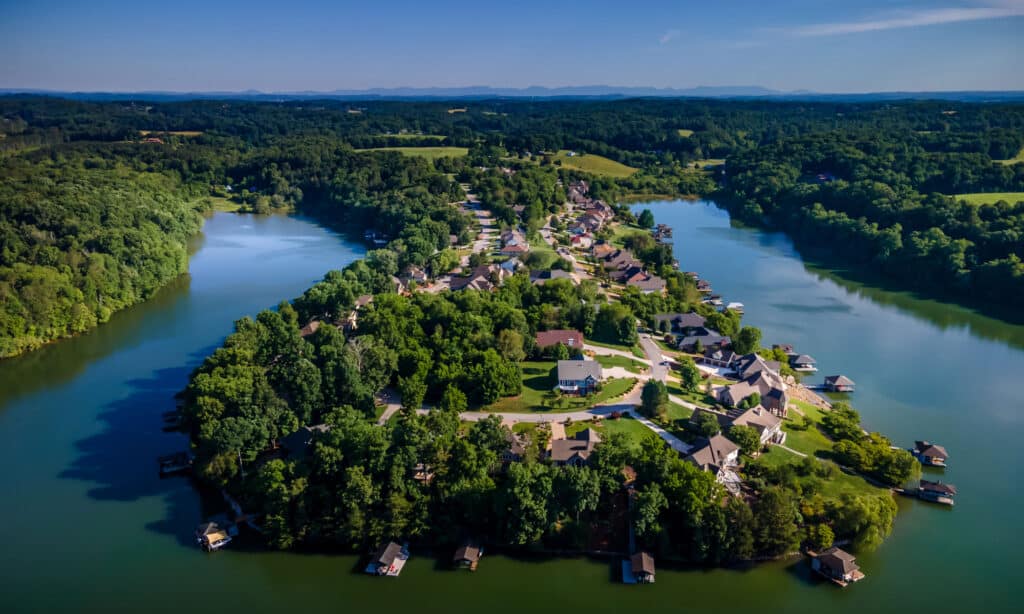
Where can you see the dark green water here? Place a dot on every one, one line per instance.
(87, 525)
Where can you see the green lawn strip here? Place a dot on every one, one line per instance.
(539, 379)
(987, 198)
(594, 164)
(632, 429)
(430, 153)
(684, 132)
(621, 231)
(634, 350)
(630, 365)
(409, 136)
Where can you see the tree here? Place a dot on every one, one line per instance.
(654, 399)
(453, 400)
(746, 437)
(775, 517)
(579, 488)
(707, 424)
(615, 324)
(751, 401)
(820, 536)
(747, 340)
(689, 375)
(510, 344)
(645, 219)
(647, 508)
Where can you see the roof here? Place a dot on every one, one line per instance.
(387, 554)
(758, 418)
(653, 283)
(737, 392)
(564, 450)
(938, 487)
(803, 359)
(707, 337)
(309, 329)
(839, 560)
(929, 449)
(642, 562)
(681, 320)
(714, 452)
(752, 364)
(568, 338)
(839, 380)
(363, 300)
(578, 370)
(589, 435)
(467, 552)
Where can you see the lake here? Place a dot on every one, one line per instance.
(88, 525)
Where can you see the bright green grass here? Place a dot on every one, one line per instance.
(621, 231)
(430, 153)
(987, 198)
(632, 429)
(634, 350)
(409, 136)
(539, 379)
(594, 164)
(633, 366)
(1014, 160)
(830, 487)
(684, 132)
(223, 204)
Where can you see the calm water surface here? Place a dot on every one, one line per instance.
(87, 525)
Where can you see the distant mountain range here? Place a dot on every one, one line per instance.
(537, 92)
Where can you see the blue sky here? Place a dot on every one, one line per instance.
(821, 45)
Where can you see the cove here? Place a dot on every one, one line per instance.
(88, 526)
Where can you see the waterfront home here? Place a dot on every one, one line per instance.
(648, 284)
(776, 401)
(215, 533)
(936, 492)
(720, 357)
(707, 337)
(574, 451)
(579, 376)
(753, 364)
(804, 363)
(468, 555)
(715, 454)
(678, 322)
(767, 424)
(310, 328)
(836, 565)
(642, 567)
(572, 339)
(735, 394)
(388, 561)
(838, 383)
(930, 454)
(704, 286)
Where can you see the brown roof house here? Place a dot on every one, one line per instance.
(839, 383)
(716, 455)
(767, 424)
(836, 565)
(642, 567)
(572, 339)
(575, 451)
(468, 555)
(930, 454)
(579, 376)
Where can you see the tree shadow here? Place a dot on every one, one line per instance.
(120, 461)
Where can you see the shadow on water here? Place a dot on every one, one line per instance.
(120, 461)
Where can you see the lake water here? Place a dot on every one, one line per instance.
(88, 526)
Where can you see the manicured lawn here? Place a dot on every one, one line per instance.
(629, 427)
(684, 132)
(635, 350)
(810, 441)
(986, 198)
(539, 379)
(594, 164)
(833, 486)
(620, 361)
(430, 153)
(621, 231)
(538, 246)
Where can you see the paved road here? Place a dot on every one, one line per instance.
(659, 371)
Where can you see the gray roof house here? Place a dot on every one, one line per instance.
(578, 376)
(715, 454)
(575, 451)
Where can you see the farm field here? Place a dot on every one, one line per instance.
(986, 198)
(430, 153)
(594, 164)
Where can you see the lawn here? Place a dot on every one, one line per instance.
(832, 486)
(594, 164)
(224, 204)
(1014, 160)
(410, 136)
(987, 198)
(542, 249)
(539, 379)
(684, 132)
(634, 350)
(621, 231)
(608, 362)
(629, 427)
(430, 153)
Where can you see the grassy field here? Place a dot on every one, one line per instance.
(633, 366)
(430, 153)
(171, 132)
(538, 246)
(684, 132)
(409, 136)
(539, 379)
(223, 204)
(594, 164)
(835, 485)
(1014, 160)
(985, 198)
(709, 162)
(629, 427)
(621, 231)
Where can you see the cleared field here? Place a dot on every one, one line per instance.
(709, 162)
(458, 110)
(985, 198)
(171, 132)
(594, 164)
(430, 153)
(409, 136)
(1014, 160)
(684, 132)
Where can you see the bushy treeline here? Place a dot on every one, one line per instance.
(883, 201)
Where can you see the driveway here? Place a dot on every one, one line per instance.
(659, 371)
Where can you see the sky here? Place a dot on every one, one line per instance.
(320, 45)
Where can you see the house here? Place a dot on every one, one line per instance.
(603, 250)
(351, 321)
(388, 561)
(753, 364)
(930, 454)
(717, 455)
(836, 565)
(575, 451)
(516, 451)
(839, 383)
(720, 357)
(511, 265)
(484, 277)
(767, 424)
(707, 337)
(582, 241)
(579, 376)
(514, 243)
(737, 307)
(651, 284)
(679, 322)
(735, 394)
(572, 339)
(642, 567)
(468, 555)
(213, 535)
(704, 286)
(936, 492)
(804, 363)
(363, 301)
(776, 401)
(724, 421)
(514, 249)
(310, 328)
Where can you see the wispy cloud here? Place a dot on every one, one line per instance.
(668, 36)
(914, 19)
